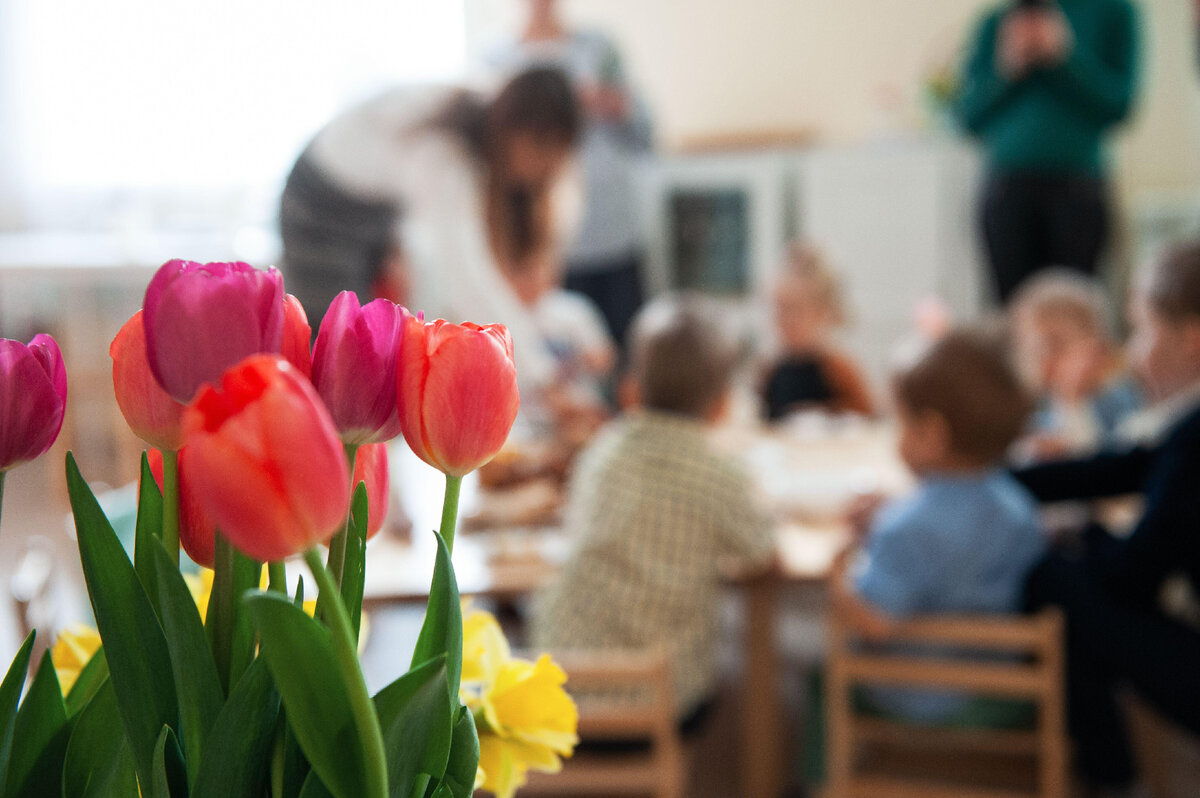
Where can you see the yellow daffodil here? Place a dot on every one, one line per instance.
(525, 718)
(75, 646)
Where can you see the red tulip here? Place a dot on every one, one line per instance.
(202, 318)
(149, 410)
(297, 336)
(264, 459)
(354, 367)
(457, 392)
(371, 467)
(196, 529)
(33, 398)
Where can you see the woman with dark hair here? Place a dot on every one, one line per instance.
(436, 197)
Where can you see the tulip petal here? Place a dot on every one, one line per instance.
(31, 406)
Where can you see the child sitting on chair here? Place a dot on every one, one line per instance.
(811, 373)
(1065, 349)
(653, 509)
(965, 540)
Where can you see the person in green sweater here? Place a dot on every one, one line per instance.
(1043, 84)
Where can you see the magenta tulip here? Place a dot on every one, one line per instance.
(33, 398)
(457, 392)
(354, 367)
(202, 318)
(264, 461)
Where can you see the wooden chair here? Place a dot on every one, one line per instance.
(967, 756)
(642, 708)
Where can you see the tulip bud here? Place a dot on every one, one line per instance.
(457, 392)
(371, 467)
(354, 367)
(196, 529)
(264, 459)
(33, 398)
(297, 336)
(202, 318)
(149, 410)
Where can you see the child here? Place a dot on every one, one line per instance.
(1120, 631)
(811, 372)
(1065, 348)
(964, 541)
(652, 509)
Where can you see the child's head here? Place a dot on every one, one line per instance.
(808, 300)
(1057, 317)
(960, 404)
(681, 361)
(534, 278)
(1165, 314)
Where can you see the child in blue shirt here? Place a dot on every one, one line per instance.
(965, 539)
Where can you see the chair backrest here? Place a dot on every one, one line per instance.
(1030, 670)
(625, 696)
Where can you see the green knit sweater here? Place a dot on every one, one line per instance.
(1053, 119)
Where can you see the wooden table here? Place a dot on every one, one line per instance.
(806, 474)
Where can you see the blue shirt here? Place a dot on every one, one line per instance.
(958, 544)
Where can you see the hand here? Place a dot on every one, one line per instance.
(1051, 37)
(1016, 50)
(605, 102)
(861, 513)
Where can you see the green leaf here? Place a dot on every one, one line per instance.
(464, 757)
(240, 741)
(300, 654)
(295, 766)
(99, 759)
(40, 737)
(91, 678)
(415, 715)
(315, 788)
(149, 527)
(170, 775)
(354, 569)
(442, 631)
(197, 685)
(138, 661)
(10, 694)
(247, 575)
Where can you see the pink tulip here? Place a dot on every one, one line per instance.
(149, 410)
(33, 398)
(264, 460)
(457, 392)
(197, 532)
(371, 467)
(354, 367)
(202, 318)
(297, 336)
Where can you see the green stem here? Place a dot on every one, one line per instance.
(220, 607)
(347, 659)
(450, 510)
(277, 574)
(170, 525)
(337, 546)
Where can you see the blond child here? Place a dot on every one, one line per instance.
(1067, 354)
(811, 372)
(653, 509)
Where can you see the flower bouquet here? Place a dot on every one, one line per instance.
(264, 451)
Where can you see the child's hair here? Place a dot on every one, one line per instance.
(966, 378)
(680, 358)
(1172, 284)
(1065, 294)
(806, 265)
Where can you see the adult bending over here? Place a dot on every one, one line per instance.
(1045, 80)
(436, 196)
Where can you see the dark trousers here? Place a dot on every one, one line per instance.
(615, 287)
(1110, 644)
(1032, 221)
